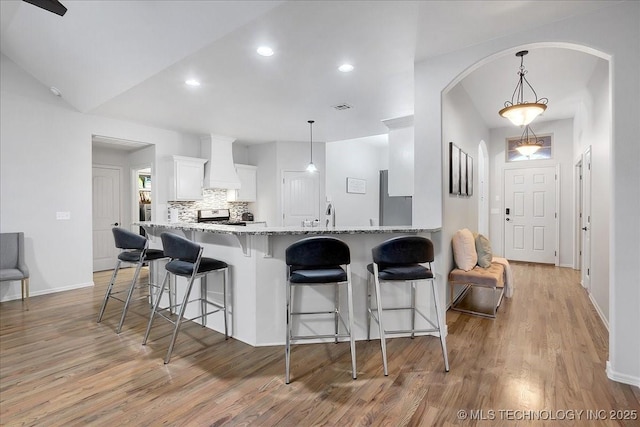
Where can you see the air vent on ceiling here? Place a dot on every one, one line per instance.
(343, 106)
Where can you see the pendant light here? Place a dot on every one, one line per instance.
(311, 168)
(528, 144)
(518, 110)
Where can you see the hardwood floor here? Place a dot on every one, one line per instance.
(544, 356)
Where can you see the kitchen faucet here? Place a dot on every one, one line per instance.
(331, 211)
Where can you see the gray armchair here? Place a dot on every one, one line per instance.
(12, 264)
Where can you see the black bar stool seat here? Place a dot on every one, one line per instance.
(134, 250)
(185, 269)
(318, 275)
(134, 256)
(402, 272)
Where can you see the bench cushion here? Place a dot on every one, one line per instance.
(491, 277)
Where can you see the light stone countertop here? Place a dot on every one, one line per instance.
(292, 230)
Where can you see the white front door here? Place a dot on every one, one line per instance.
(585, 261)
(530, 210)
(300, 197)
(106, 215)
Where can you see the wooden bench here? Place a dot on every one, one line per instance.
(484, 289)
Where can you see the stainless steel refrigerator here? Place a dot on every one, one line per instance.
(394, 210)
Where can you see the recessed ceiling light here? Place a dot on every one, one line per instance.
(54, 90)
(345, 68)
(265, 51)
(192, 82)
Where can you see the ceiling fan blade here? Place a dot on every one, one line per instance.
(51, 5)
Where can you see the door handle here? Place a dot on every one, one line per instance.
(115, 224)
(508, 219)
(584, 228)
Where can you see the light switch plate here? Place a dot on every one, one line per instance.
(63, 215)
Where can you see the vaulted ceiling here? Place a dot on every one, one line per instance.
(130, 59)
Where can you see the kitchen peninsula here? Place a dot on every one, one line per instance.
(256, 256)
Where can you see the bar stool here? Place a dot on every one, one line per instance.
(318, 261)
(399, 260)
(134, 250)
(187, 261)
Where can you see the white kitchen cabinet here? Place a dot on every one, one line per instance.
(188, 177)
(248, 185)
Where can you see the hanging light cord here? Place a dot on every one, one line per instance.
(311, 139)
(525, 139)
(519, 90)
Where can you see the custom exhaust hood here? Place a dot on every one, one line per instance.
(220, 171)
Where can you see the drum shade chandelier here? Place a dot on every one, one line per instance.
(518, 110)
(529, 142)
(311, 168)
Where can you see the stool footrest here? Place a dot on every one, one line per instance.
(309, 337)
(411, 331)
(299, 313)
(159, 313)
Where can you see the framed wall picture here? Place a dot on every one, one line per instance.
(356, 186)
(469, 175)
(513, 155)
(454, 169)
(463, 173)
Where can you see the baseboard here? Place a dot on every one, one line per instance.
(622, 378)
(599, 311)
(32, 293)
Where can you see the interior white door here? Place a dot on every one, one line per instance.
(585, 261)
(106, 215)
(530, 210)
(300, 197)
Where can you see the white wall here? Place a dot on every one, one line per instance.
(593, 128)
(562, 152)
(360, 158)
(240, 153)
(45, 167)
(612, 33)
(264, 157)
(462, 125)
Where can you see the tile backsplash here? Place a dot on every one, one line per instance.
(213, 198)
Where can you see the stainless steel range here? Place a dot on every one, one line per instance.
(217, 216)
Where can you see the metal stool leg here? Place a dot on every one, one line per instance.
(413, 309)
(368, 307)
(336, 308)
(172, 294)
(155, 307)
(383, 343)
(287, 347)
(354, 373)
(443, 342)
(129, 294)
(107, 295)
(203, 298)
(183, 307)
(225, 280)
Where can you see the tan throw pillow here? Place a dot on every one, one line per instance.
(483, 249)
(464, 250)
